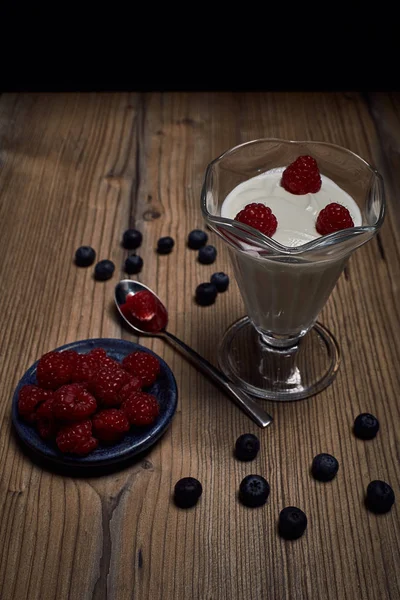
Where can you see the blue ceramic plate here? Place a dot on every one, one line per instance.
(136, 440)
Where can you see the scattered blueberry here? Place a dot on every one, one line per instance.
(132, 239)
(85, 256)
(247, 446)
(207, 255)
(254, 491)
(380, 497)
(187, 492)
(324, 467)
(165, 245)
(104, 270)
(221, 281)
(206, 294)
(366, 426)
(133, 264)
(292, 523)
(197, 239)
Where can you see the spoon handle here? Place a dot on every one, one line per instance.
(245, 402)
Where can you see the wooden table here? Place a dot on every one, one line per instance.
(80, 169)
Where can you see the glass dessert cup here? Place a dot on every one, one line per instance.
(279, 351)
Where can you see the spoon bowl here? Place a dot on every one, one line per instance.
(155, 319)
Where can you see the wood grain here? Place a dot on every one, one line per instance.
(79, 169)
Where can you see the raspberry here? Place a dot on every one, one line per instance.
(45, 409)
(258, 216)
(134, 385)
(142, 365)
(141, 408)
(107, 383)
(333, 217)
(99, 355)
(110, 424)
(77, 438)
(47, 428)
(302, 176)
(85, 368)
(146, 311)
(73, 403)
(29, 398)
(142, 305)
(56, 368)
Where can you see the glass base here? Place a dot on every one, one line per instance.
(279, 374)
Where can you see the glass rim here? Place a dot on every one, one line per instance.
(252, 236)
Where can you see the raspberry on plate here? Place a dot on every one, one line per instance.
(46, 427)
(56, 368)
(73, 403)
(101, 358)
(29, 399)
(333, 217)
(260, 217)
(302, 176)
(141, 408)
(45, 409)
(143, 365)
(110, 425)
(133, 385)
(85, 368)
(77, 438)
(107, 383)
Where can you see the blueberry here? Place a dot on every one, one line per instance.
(132, 239)
(133, 264)
(197, 239)
(380, 496)
(207, 255)
(165, 245)
(85, 256)
(206, 294)
(292, 523)
(247, 446)
(221, 281)
(366, 426)
(324, 467)
(104, 270)
(187, 492)
(254, 491)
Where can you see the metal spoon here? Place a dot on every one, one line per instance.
(157, 327)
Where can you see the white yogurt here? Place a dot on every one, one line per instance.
(296, 215)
